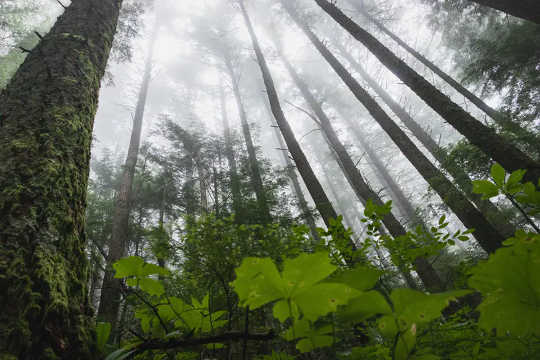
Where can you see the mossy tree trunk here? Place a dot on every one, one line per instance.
(46, 119)
(488, 237)
(111, 289)
(323, 204)
(485, 138)
(461, 178)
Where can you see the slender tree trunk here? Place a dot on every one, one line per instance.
(202, 187)
(487, 236)
(324, 206)
(510, 157)
(229, 154)
(111, 289)
(496, 217)
(353, 175)
(256, 179)
(525, 9)
(297, 189)
(46, 119)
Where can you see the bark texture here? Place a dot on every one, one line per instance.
(525, 9)
(323, 204)
(46, 119)
(111, 289)
(488, 237)
(485, 138)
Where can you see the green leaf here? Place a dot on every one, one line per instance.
(366, 305)
(498, 174)
(120, 354)
(103, 330)
(318, 341)
(151, 286)
(321, 299)
(305, 270)
(510, 283)
(486, 188)
(282, 312)
(129, 266)
(360, 278)
(258, 282)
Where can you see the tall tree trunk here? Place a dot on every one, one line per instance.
(229, 154)
(496, 217)
(353, 175)
(46, 119)
(323, 204)
(111, 289)
(202, 187)
(485, 138)
(256, 179)
(525, 9)
(291, 173)
(487, 236)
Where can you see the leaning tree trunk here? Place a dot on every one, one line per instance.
(256, 179)
(291, 173)
(111, 289)
(525, 9)
(494, 215)
(323, 204)
(46, 118)
(485, 138)
(229, 154)
(488, 237)
(362, 190)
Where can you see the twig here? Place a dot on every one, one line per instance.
(62, 5)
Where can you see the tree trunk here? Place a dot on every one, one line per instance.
(111, 289)
(256, 179)
(496, 217)
(525, 9)
(291, 173)
(229, 154)
(46, 119)
(202, 187)
(487, 236)
(324, 206)
(485, 138)
(353, 175)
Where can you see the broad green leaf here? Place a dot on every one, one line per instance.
(387, 326)
(320, 299)
(514, 180)
(510, 283)
(258, 282)
(305, 270)
(318, 341)
(282, 312)
(103, 330)
(365, 306)
(498, 174)
(360, 278)
(129, 266)
(151, 286)
(311, 337)
(151, 269)
(486, 188)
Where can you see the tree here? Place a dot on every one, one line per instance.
(509, 156)
(46, 117)
(111, 289)
(318, 195)
(525, 9)
(488, 237)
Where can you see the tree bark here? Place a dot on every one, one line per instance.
(291, 173)
(361, 188)
(229, 154)
(46, 119)
(487, 236)
(494, 215)
(524, 9)
(323, 204)
(485, 138)
(256, 179)
(111, 289)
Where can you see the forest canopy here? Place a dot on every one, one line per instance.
(270, 179)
